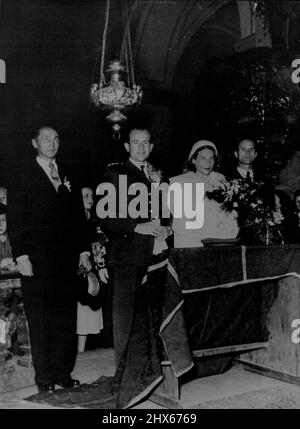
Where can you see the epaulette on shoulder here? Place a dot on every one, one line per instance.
(112, 164)
(116, 166)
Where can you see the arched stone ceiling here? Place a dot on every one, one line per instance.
(163, 29)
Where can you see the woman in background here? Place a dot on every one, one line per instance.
(90, 321)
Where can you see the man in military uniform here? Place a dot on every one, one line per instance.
(133, 242)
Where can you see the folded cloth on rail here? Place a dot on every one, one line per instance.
(201, 268)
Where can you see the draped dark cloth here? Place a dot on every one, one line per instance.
(220, 296)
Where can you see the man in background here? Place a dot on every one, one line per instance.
(245, 154)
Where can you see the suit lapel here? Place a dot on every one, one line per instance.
(42, 178)
(62, 172)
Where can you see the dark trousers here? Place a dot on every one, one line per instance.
(50, 307)
(126, 278)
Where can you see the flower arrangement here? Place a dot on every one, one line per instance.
(258, 220)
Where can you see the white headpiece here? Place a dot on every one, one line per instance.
(200, 144)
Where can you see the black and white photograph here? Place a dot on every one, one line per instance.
(149, 207)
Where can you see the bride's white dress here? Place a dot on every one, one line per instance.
(217, 222)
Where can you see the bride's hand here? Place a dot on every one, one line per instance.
(219, 183)
(223, 183)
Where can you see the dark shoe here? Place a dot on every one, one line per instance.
(68, 383)
(46, 388)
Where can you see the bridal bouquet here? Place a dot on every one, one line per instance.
(257, 218)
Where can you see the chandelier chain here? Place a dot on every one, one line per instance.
(104, 43)
(129, 43)
(127, 66)
(125, 48)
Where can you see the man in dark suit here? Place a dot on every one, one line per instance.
(132, 239)
(246, 168)
(47, 228)
(245, 155)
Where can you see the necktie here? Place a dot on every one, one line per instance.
(143, 168)
(248, 176)
(54, 175)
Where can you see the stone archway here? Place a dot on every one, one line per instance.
(162, 30)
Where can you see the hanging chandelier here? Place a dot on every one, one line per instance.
(114, 96)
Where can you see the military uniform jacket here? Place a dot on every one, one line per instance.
(126, 246)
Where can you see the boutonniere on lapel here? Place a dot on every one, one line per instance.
(155, 175)
(67, 184)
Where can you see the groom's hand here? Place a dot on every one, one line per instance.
(164, 233)
(25, 266)
(149, 228)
